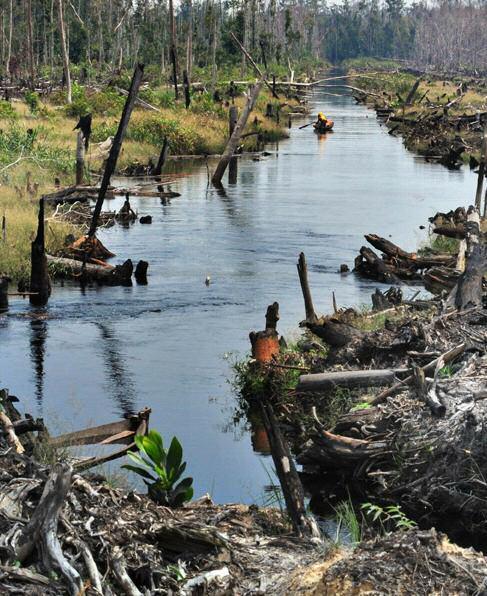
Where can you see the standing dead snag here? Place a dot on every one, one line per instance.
(303, 280)
(3, 293)
(162, 158)
(265, 344)
(41, 531)
(40, 284)
(468, 291)
(235, 138)
(117, 145)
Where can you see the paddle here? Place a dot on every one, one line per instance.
(305, 125)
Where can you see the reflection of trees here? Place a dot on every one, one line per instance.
(38, 335)
(121, 386)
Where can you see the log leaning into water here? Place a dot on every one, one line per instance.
(235, 137)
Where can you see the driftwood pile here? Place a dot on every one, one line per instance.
(439, 273)
(429, 128)
(63, 533)
(421, 439)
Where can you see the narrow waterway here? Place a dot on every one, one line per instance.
(96, 354)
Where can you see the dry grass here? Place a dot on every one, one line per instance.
(197, 131)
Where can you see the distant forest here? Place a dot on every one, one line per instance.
(101, 35)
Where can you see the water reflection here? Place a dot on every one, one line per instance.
(121, 386)
(38, 336)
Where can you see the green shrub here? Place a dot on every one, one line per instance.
(31, 98)
(102, 131)
(7, 111)
(161, 469)
(80, 105)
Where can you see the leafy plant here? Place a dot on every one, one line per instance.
(389, 516)
(31, 98)
(161, 469)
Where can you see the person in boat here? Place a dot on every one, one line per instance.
(322, 121)
(323, 124)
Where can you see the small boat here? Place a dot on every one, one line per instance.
(323, 127)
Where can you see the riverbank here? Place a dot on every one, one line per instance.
(72, 532)
(438, 117)
(38, 145)
(381, 407)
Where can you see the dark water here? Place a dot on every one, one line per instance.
(106, 351)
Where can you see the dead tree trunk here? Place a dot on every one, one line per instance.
(468, 291)
(30, 44)
(256, 68)
(10, 31)
(174, 57)
(80, 158)
(189, 50)
(3, 293)
(480, 179)
(162, 157)
(187, 94)
(309, 309)
(117, 144)
(42, 528)
(64, 50)
(233, 165)
(40, 284)
(235, 138)
(287, 474)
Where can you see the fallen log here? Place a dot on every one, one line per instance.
(348, 378)
(412, 259)
(457, 231)
(87, 272)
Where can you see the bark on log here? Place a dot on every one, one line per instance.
(108, 274)
(117, 145)
(287, 474)
(309, 308)
(40, 284)
(350, 378)
(234, 139)
(392, 250)
(41, 530)
(457, 231)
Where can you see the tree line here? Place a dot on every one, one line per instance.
(37, 36)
